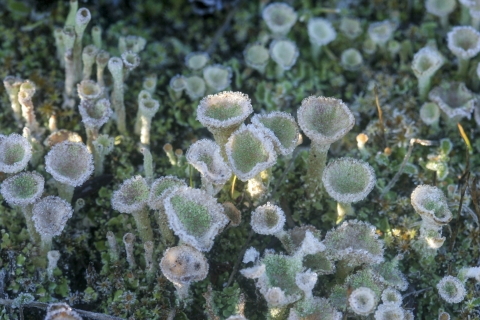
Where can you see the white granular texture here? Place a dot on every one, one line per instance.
(69, 163)
(15, 152)
(324, 120)
(50, 216)
(464, 42)
(22, 189)
(451, 289)
(204, 155)
(348, 180)
(227, 98)
(362, 301)
(268, 219)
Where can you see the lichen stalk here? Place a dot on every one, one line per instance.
(12, 86)
(82, 19)
(143, 224)
(28, 114)
(168, 238)
(317, 158)
(112, 245)
(463, 67)
(115, 65)
(27, 213)
(129, 242)
(65, 191)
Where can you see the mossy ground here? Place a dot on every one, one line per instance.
(87, 277)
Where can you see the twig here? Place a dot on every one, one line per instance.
(416, 292)
(474, 194)
(223, 28)
(240, 257)
(233, 186)
(44, 306)
(380, 116)
(462, 181)
(290, 164)
(462, 194)
(404, 163)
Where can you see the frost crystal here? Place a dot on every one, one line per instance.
(69, 163)
(195, 217)
(50, 216)
(15, 152)
(268, 219)
(22, 189)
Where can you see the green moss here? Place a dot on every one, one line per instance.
(195, 217)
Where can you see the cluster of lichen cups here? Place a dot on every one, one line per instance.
(245, 147)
